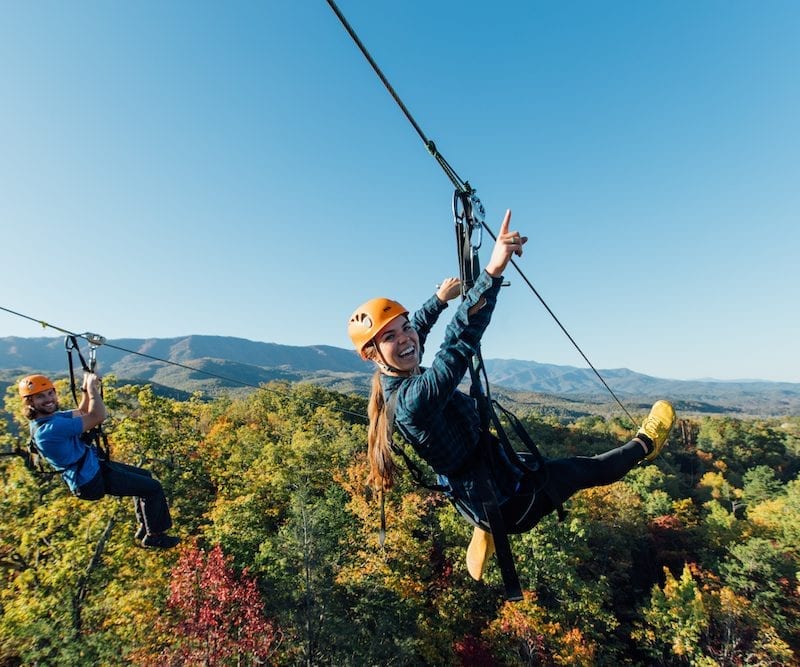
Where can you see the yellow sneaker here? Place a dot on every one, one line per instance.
(657, 426)
(479, 551)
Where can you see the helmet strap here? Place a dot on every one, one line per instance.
(381, 361)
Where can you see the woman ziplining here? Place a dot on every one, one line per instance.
(497, 489)
(445, 428)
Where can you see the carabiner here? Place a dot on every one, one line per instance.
(468, 211)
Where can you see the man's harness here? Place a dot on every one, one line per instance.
(94, 437)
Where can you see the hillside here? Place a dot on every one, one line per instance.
(214, 364)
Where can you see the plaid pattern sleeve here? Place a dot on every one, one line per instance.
(438, 420)
(424, 319)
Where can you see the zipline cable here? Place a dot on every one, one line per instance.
(460, 185)
(465, 188)
(90, 338)
(566, 333)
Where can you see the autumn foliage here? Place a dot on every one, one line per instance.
(690, 560)
(216, 615)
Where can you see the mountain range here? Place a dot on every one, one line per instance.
(215, 364)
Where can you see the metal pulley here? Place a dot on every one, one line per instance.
(95, 341)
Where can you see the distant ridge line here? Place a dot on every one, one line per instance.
(343, 370)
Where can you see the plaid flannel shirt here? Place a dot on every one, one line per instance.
(439, 421)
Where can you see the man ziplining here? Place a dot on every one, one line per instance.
(57, 436)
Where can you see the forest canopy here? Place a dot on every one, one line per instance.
(692, 559)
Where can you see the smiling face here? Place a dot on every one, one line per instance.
(398, 345)
(45, 402)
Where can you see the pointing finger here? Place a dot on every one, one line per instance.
(505, 223)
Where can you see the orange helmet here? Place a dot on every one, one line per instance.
(33, 384)
(369, 318)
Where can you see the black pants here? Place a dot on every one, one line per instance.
(119, 479)
(539, 494)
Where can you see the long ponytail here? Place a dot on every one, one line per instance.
(379, 451)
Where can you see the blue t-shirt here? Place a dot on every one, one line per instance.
(57, 439)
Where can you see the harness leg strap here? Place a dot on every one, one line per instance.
(505, 559)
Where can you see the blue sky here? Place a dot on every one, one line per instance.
(238, 169)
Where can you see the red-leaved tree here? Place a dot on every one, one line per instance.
(218, 618)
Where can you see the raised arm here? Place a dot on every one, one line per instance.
(463, 334)
(92, 410)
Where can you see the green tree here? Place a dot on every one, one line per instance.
(765, 576)
(674, 622)
(524, 634)
(719, 528)
(742, 444)
(760, 484)
(736, 636)
(572, 589)
(779, 519)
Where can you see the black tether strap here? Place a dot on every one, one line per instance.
(71, 345)
(497, 526)
(468, 214)
(96, 436)
(530, 445)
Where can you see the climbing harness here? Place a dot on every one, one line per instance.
(32, 459)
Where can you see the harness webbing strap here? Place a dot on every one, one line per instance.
(95, 436)
(530, 445)
(36, 457)
(31, 458)
(416, 473)
(491, 508)
(497, 526)
(71, 345)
